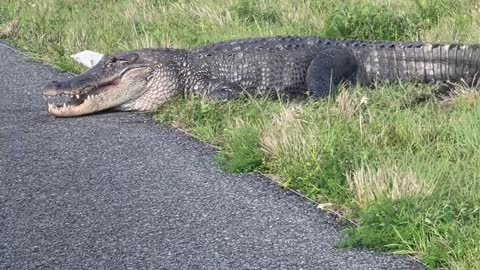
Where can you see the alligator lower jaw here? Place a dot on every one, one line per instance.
(80, 104)
(70, 109)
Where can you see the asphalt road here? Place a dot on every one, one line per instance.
(117, 191)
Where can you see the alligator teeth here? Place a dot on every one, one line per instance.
(77, 96)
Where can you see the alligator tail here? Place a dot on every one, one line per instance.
(422, 62)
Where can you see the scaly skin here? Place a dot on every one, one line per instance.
(143, 80)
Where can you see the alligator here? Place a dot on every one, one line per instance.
(143, 80)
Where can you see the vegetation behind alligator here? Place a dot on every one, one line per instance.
(143, 80)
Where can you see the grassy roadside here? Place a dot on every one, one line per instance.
(408, 172)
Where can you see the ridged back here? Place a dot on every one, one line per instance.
(378, 61)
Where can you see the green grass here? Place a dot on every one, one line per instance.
(406, 171)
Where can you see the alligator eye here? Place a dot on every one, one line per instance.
(115, 60)
(111, 62)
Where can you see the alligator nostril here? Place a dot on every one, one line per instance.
(51, 89)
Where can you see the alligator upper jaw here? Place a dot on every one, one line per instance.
(70, 103)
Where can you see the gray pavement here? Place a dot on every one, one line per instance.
(117, 191)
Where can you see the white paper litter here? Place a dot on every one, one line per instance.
(87, 58)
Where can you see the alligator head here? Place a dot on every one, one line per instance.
(123, 81)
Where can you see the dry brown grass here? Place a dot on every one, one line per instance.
(368, 184)
(461, 96)
(347, 104)
(286, 134)
(8, 29)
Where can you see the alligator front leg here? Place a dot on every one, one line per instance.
(222, 90)
(328, 69)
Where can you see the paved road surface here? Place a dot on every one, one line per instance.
(117, 191)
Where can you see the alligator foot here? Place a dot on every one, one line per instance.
(222, 91)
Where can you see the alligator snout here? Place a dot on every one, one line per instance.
(73, 86)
